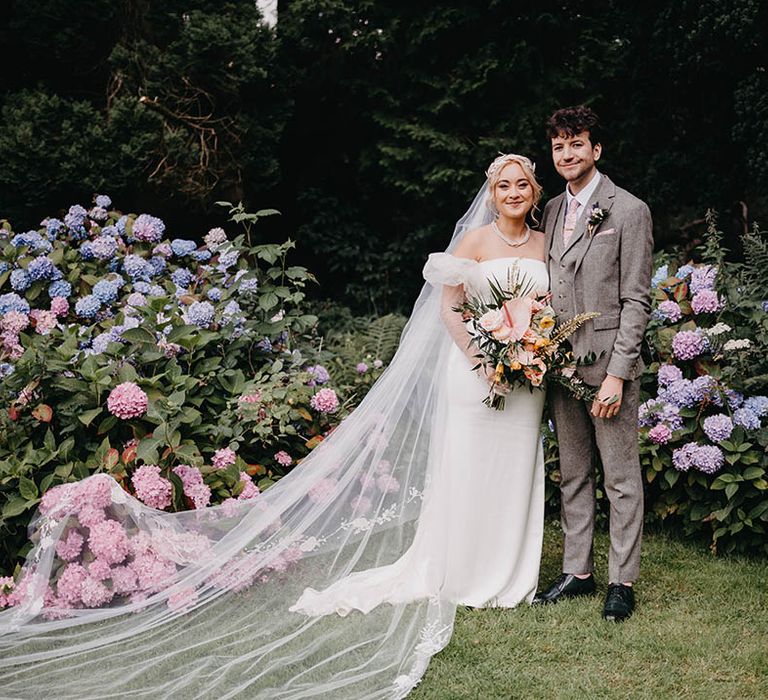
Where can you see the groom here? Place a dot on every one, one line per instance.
(599, 243)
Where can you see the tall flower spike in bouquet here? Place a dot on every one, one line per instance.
(516, 335)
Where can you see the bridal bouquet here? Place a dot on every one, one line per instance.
(518, 338)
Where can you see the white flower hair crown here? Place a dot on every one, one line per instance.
(505, 158)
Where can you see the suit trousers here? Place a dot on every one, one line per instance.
(580, 437)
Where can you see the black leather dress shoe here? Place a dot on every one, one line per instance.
(565, 586)
(619, 602)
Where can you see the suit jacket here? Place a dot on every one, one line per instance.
(609, 272)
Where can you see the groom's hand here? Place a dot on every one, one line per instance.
(608, 401)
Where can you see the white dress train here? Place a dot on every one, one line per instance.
(479, 535)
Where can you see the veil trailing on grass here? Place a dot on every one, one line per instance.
(117, 599)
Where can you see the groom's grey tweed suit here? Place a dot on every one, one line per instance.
(609, 273)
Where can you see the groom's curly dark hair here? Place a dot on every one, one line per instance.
(573, 120)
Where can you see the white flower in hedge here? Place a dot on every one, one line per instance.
(718, 329)
(737, 344)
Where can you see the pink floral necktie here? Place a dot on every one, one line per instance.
(570, 220)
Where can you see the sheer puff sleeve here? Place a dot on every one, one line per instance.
(444, 268)
(452, 272)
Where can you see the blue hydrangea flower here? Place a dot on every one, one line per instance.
(265, 345)
(13, 302)
(182, 277)
(6, 369)
(86, 250)
(53, 227)
(734, 398)
(249, 286)
(200, 314)
(228, 259)
(100, 343)
(105, 291)
(60, 288)
(182, 247)
(201, 255)
(684, 271)
(110, 231)
(121, 223)
(41, 268)
(33, 240)
(20, 280)
(88, 306)
(231, 313)
(141, 286)
(98, 213)
(757, 404)
(103, 200)
(158, 264)
(4, 267)
(214, 294)
(660, 275)
(155, 290)
(75, 217)
(137, 268)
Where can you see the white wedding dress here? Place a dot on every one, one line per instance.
(479, 535)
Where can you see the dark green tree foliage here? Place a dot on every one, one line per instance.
(400, 106)
(148, 101)
(369, 122)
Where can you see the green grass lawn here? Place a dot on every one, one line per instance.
(700, 630)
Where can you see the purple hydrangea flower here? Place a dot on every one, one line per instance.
(228, 259)
(361, 368)
(687, 345)
(103, 200)
(98, 213)
(319, 375)
(158, 265)
(683, 457)
(103, 248)
(214, 294)
(706, 301)
(670, 311)
(703, 277)
(148, 228)
(669, 373)
(660, 434)
(718, 427)
(706, 388)
(679, 393)
(734, 398)
(708, 459)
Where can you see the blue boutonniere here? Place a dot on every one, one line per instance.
(596, 216)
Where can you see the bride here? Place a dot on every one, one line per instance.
(422, 500)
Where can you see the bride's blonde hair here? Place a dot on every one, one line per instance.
(529, 169)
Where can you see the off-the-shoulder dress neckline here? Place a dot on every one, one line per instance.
(505, 257)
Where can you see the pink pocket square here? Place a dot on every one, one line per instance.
(606, 232)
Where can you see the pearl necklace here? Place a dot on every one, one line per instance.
(495, 228)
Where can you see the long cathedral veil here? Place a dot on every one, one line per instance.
(196, 604)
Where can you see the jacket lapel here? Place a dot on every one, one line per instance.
(555, 233)
(604, 197)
